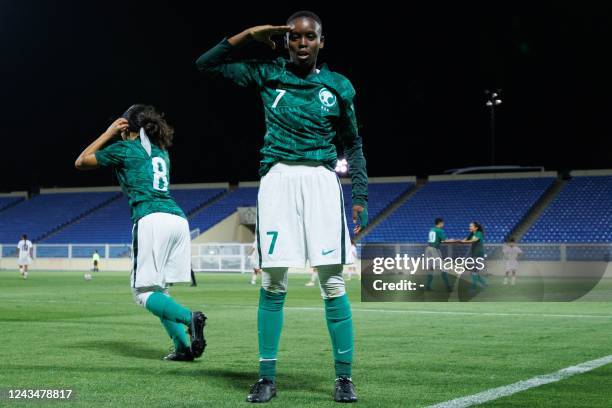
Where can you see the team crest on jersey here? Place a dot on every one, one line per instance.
(327, 98)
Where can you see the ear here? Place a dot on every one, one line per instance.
(322, 42)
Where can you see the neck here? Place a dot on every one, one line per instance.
(304, 70)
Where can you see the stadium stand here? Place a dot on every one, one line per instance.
(498, 203)
(381, 196)
(6, 202)
(45, 213)
(112, 223)
(224, 207)
(581, 213)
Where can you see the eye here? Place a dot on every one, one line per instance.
(294, 36)
(312, 36)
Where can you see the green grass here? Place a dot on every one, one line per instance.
(58, 331)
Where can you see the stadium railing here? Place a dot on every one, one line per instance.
(234, 257)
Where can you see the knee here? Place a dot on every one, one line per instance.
(331, 281)
(140, 298)
(271, 301)
(274, 280)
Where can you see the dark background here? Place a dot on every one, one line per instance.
(69, 67)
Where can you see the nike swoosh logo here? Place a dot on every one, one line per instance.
(343, 352)
(324, 252)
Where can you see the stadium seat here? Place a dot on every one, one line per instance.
(112, 223)
(499, 204)
(581, 213)
(45, 213)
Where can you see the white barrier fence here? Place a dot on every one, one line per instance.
(234, 257)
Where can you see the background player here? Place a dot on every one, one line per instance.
(300, 205)
(96, 261)
(26, 253)
(161, 244)
(314, 275)
(436, 237)
(476, 240)
(352, 268)
(511, 253)
(254, 261)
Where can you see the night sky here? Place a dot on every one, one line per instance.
(68, 68)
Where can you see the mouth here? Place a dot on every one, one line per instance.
(303, 55)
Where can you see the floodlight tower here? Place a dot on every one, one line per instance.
(493, 101)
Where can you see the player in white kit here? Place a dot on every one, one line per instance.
(511, 253)
(25, 248)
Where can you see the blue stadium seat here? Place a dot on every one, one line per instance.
(499, 204)
(46, 212)
(9, 201)
(112, 223)
(380, 197)
(581, 213)
(224, 207)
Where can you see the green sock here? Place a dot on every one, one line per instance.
(269, 326)
(445, 279)
(164, 307)
(177, 333)
(482, 280)
(474, 281)
(340, 326)
(429, 280)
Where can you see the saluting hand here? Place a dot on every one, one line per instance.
(264, 33)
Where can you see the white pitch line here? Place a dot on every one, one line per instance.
(507, 390)
(356, 309)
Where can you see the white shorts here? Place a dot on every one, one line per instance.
(24, 260)
(300, 217)
(161, 251)
(510, 266)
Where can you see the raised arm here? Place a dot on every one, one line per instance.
(217, 61)
(87, 159)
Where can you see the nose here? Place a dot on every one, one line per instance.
(303, 42)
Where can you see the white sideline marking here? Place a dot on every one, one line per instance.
(320, 309)
(507, 390)
(357, 309)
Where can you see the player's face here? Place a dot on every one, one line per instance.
(472, 228)
(304, 41)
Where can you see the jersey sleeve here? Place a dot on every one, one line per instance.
(442, 235)
(348, 135)
(217, 62)
(113, 155)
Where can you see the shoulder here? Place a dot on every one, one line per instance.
(343, 85)
(338, 82)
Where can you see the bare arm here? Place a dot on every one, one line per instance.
(87, 159)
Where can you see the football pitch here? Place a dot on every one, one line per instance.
(61, 332)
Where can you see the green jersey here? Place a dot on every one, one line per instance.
(436, 236)
(144, 178)
(303, 115)
(477, 247)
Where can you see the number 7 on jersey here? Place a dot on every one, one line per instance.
(281, 93)
(274, 235)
